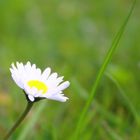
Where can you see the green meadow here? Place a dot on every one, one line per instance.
(73, 37)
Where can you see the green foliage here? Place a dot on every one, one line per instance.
(72, 37)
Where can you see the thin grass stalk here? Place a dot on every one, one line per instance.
(100, 74)
(127, 102)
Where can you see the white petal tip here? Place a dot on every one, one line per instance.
(11, 70)
(31, 98)
(67, 83)
(64, 99)
(59, 98)
(64, 85)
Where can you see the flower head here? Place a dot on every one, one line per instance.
(38, 85)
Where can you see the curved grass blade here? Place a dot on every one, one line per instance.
(100, 74)
(113, 135)
(98, 107)
(127, 102)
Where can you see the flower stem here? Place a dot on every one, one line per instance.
(21, 118)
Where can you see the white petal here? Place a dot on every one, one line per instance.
(28, 66)
(63, 86)
(59, 80)
(53, 76)
(31, 98)
(35, 92)
(16, 75)
(20, 67)
(33, 66)
(27, 89)
(38, 71)
(17, 81)
(58, 97)
(14, 68)
(38, 94)
(46, 73)
(11, 70)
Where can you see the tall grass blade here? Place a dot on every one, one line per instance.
(126, 100)
(100, 74)
(77, 88)
(113, 135)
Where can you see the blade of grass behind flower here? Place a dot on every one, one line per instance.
(113, 135)
(100, 74)
(30, 124)
(77, 88)
(126, 100)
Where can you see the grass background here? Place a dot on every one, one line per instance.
(72, 37)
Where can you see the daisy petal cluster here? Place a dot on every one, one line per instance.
(37, 84)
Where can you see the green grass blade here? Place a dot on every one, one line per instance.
(100, 74)
(113, 135)
(28, 127)
(77, 88)
(127, 102)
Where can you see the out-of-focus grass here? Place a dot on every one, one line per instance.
(72, 37)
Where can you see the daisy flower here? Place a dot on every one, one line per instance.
(37, 85)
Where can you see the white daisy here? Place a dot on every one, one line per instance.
(38, 85)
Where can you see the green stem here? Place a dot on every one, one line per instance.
(21, 118)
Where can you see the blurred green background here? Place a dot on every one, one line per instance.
(72, 37)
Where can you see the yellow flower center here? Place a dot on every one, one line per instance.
(39, 85)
